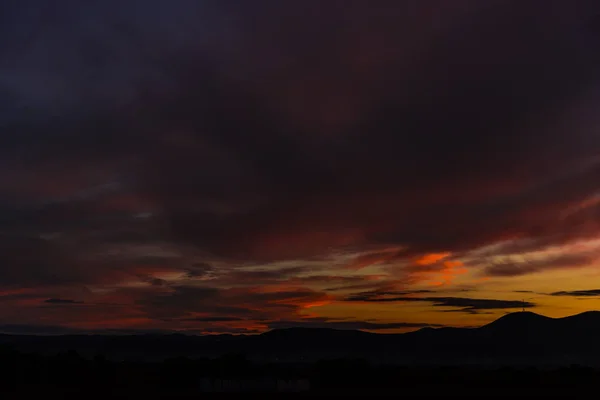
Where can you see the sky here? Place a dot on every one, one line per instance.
(236, 166)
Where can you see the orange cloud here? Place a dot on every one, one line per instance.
(453, 264)
(450, 271)
(432, 258)
(432, 267)
(317, 303)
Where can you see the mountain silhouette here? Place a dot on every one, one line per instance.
(517, 338)
(517, 320)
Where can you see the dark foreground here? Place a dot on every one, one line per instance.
(68, 375)
(466, 392)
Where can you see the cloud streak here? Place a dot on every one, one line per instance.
(578, 293)
(462, 304)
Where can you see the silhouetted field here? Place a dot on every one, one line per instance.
(68, 375)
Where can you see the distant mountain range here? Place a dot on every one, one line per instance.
(517, 338)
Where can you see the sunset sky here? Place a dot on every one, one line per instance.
(234, 166)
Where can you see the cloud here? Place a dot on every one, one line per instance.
(243, 303)
(216, 319)
(525, 266)
(253, 226)
(16, 329)
(147, 156)
(351, 325)
(50, 330)
(62, 301)
(578, 293)
(370, 258)
(461, 304)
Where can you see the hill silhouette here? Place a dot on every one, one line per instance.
(519, 319)
(517, 338)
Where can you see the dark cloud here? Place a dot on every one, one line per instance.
(274, 173)
(229, 330)
(157, 144)
(578, 293)
(310, 203)
(35, 261)
(351, 325)
(379, 293)
(272, 276)
(253, 303)
(18, 329)
(215, 319)
(62, 301)
(468, 305)
(35, 329)
(199, 270)
(153, 281)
